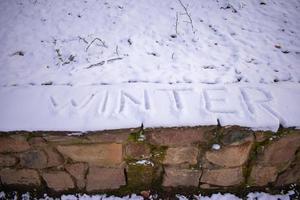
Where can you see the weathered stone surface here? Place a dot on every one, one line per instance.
(288, 177)
(7, 160)
(118, 136)
(104, 178)
(223, 177)
(37, 141)
(58, 181)
(230, 156)
(178, 136)
(8, 145)
(96, 154)
(78, 171)
(237, 136)
(281, 151)
(62, 138)
(137, 151)
(53, 158)
(291, 175)
(180, 155)
(181, 177)
(35, 159)
(22, 177)
(261, 176)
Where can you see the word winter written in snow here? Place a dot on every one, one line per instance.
(212, 100)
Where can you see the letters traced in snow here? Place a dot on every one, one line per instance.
(95, 65)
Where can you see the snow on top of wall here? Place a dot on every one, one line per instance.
(58, 60)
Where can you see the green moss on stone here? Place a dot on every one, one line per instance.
(138, 136)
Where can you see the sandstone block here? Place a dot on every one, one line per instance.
(9, 145)
(35, 159)
(281, 151)
(95, 154)
(290, 175)
(261, 176)
(117, 136)
(7, 161)
(181, 177)
(53, 158)
(178, 136)
(37, 141)
(78, 171)
(58, 181)
(22, 177)
(223, 177)
(104, 178)
(181, 155)
(230, 156)
(237, 136)
(62, 138)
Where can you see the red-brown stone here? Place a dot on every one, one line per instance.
(22, 177)
(178, 136)
(9, 145)
(58, 181)
(78, 171)
(104, 178)
(223, 177)
(181, 177)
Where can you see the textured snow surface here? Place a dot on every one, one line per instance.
(95, 64)
(87, 108)
(171, 41)
(217, 196)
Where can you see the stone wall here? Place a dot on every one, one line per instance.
(125, 161)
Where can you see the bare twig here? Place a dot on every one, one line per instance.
(113, 59)
(18, 53)
(83, 39)
(187, 14)
(117, 50)
(96, 39)
(173, 55)
(95, 65)
(176, 25)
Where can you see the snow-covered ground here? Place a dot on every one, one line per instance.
(217, 196)
(160, 63)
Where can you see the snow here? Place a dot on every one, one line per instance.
(262, 195)
(216, 196)
(216, 146)
(2, 195)
(144, 162)
(100, 197)
(96, 65)
(86, 108)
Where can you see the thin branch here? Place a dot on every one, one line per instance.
(117, 50)
(187, 14)
(83, 39)
(96, 39)
(173, 55)
(113, 59)
(95, 65)
(176, 25)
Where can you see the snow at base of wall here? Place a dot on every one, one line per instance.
(217, 196)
